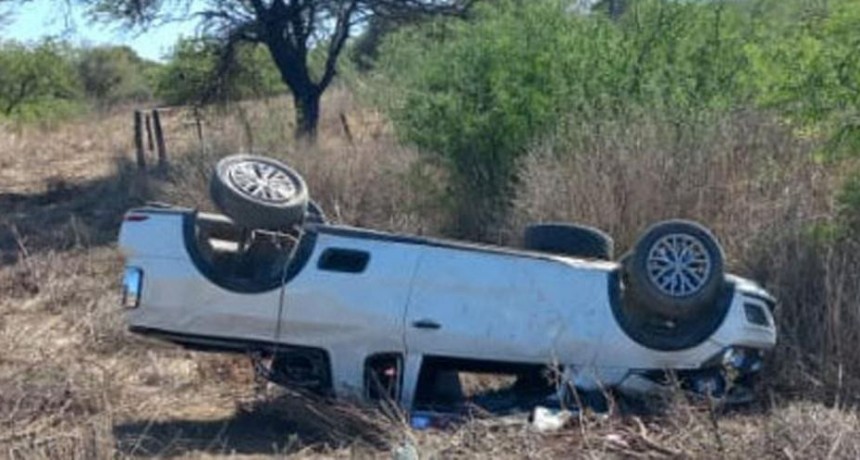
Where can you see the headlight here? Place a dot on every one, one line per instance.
(132, 283)
(755, 314)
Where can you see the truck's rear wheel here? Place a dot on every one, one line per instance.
(259, 192)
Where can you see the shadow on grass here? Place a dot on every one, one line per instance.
(68, 215)
(245, 433)
(281, 426)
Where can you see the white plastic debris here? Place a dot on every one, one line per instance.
(616, 439)
(544, 419)
(405, 451)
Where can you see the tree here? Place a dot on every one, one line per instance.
(291, 30)
(112, 74)
(35, 77)
(187, 76)
(5, 13)
(810, 71)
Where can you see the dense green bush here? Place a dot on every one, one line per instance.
(53, 80)
(38, 81)
(808, 68)
(113, 74)
(192, 74)
(478, 93)
(482, 90)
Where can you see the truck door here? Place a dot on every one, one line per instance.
(351, 301)
(484, 305)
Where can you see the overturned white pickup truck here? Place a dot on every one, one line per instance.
(349, 312)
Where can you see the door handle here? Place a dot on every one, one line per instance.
(426, 324)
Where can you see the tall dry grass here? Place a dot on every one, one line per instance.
(36, 157)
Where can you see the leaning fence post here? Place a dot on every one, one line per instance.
(346, 130)
(159, 141)
(198, 120)
(138, 140)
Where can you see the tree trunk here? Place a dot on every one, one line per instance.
(307, 115)
(296, 75)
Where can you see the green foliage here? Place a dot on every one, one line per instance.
(478, 96)
(194, 74)
(685, 57)
(478, 93)
(113, 74)
(808, 68)
(37, 82)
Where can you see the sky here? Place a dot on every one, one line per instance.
(43, 18)
(50, 18)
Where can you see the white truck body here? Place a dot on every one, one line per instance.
(415, 298)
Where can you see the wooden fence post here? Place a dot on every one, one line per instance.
(198, 120)
(346, 130)
(150, 146)
(138, 140)
(159, 141)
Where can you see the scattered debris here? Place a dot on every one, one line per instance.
(422, 420)
(544, 419)
(405, 451)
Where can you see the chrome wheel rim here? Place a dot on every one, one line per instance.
(679, 265)
(262, 181)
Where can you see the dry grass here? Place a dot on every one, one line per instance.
(36, 158)
(743, 175)
(73, 384)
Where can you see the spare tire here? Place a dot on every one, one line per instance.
(675, 270)
(259, 192)
(569, 239)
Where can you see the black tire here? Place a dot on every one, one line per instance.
(670, 290)
(279, 206)
(568, 239)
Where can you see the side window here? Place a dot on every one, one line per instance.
(343, 260)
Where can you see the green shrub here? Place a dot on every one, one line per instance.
(191, 76)
(808, 68)
(481, 91)
(37, 82)
(113, 74)
(478, 93)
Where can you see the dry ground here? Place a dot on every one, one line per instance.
(73, 384)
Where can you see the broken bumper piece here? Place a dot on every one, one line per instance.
(727, 378)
